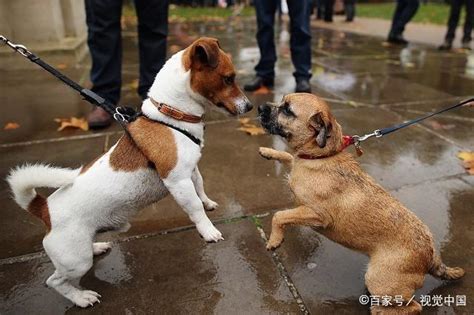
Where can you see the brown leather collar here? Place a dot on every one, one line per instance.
(176, 113)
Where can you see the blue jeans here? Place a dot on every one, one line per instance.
(105, 44)
(300, 42)
(404, 12)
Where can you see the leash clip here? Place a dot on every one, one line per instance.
(22, 50)
(121, 117)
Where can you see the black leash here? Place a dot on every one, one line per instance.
(356, 140)
(123, 115)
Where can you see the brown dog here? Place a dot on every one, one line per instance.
(337, 198)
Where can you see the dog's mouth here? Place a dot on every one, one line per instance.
(221, 105)
(273, 127)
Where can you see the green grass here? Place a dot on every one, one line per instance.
(427, 13)
(195, 14)
(189, 13)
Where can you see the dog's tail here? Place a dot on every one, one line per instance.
(441, 271)
(24, 179)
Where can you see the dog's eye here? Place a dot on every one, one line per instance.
(287, 110)
(229, 80)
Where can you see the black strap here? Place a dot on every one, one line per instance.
(391, 129)
(184, 132)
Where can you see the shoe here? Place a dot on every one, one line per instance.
(447, 45)
(303, 86)
(466, 44)
(397, 40)
(99, 118)
(257, 83)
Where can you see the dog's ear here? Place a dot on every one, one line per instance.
(322, 128)
(206, 52)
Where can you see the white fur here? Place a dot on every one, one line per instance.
(24, 179)
(102, 198)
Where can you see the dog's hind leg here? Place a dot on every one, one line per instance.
(301, 215)
(386, 278)
(209, 205)
(71, 254)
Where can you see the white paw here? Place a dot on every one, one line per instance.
(209, 232)
(210, 205)
(101, 247)
(86, 298)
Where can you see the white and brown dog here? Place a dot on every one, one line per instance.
(137, 171)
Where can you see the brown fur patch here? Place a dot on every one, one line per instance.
(211, 78)
(127, 157)
(39, 208)
(155, 143)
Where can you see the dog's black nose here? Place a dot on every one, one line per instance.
(248, 106)
(264, 108)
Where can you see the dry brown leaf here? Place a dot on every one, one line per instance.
(262, 90)
(11, 126)
(250, 128)
(468, 158)
(61, 66)
(132, 85)
(72, 122)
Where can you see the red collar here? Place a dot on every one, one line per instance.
(346, 141)
(176, 113)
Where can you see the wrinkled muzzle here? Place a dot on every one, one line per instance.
(268, 116)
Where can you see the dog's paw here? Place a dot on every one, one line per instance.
(210, 205)
(274, 243)
(101, 247)
(86, 298)
(209, 233)
(265, 152)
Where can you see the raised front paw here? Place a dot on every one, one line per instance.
(101, 247)
(266, 152)
(209, 232)
(210, 205)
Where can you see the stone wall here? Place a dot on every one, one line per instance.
(54, 29)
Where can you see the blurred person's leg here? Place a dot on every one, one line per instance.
(349, 8)
(105, 45)
(328, 10)
(453, 21)
(152, 33)
(404, 12)
(300, 42)
(265, 69)
(468, 24)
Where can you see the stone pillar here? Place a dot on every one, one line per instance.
(54, 29)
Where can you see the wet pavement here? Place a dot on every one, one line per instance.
(162, 265)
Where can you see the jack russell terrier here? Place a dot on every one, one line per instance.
(159, 154)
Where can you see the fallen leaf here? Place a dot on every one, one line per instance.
(386, 44)
(262, 90)
(132, 85)
(61, 66)
(250, 128)
(11, 126)
(73, 122)
(468, 158)
(436, 125)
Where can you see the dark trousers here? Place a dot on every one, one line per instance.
(404, 12)
(456, 6)
(328, 10)
(349, 9)
(300, 42)
(105, 44)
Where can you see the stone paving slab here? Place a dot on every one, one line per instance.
(330, 277)
(177, 273)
